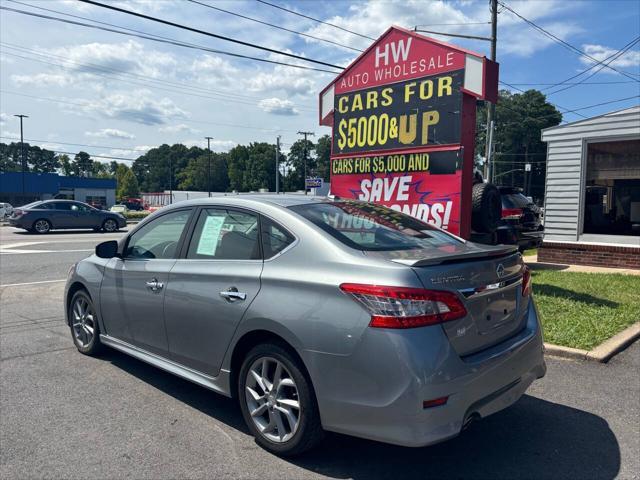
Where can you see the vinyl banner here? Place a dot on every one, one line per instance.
(425, 185)
(405, 115)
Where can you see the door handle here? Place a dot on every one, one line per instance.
(154, 285)
(232, 294)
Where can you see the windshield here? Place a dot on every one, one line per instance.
(514, 200)
(365, 226)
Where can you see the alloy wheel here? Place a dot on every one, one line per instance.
(110, 225)
(272, 399)
(42, 226)
(83, 321)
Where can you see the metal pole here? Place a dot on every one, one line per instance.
(23, 159)
(491, 111)
(209, 169)
(305, 157)
(170, 182)
(277, 164)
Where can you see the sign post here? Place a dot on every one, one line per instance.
(403, 119)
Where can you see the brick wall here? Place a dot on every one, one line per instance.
(588, 254)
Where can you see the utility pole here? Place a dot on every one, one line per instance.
(305, 157)
(170, 182)
(209, 169)
(23, 159)
(491, 111)
(278, 164)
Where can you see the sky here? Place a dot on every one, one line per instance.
(116, 95)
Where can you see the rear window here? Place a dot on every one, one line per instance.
(370, 227)
(514, 200)
(32, 205)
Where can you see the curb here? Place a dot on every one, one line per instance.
(603, 352)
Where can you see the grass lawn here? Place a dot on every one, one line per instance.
(582, 310)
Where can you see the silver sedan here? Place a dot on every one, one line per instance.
(317, 315)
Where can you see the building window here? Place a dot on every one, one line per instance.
(612, 196)
(97, 202)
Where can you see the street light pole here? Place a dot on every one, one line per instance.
(23, 160)
(209, 168)
(305, 157)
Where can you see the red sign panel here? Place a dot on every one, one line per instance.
(404, 128)
(397, 57)
(421, 184)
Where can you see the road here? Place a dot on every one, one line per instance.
(64, 415)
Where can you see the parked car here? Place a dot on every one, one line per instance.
(5, 210)
(119, 209)
(521, 222)
(42, 217)
(316, 314)
(134, 204)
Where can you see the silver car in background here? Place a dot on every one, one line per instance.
(316, 314)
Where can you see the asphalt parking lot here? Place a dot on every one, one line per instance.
(65, 415)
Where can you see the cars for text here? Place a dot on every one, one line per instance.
(44, 216)
(317, 315)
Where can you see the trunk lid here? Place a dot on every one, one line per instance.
(488, 280)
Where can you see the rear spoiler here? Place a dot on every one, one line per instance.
(465, 256)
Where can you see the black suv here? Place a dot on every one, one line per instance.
(521, 222)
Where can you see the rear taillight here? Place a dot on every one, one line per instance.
(402, 307)
(512, 213)
(17, 213)
(526, 281)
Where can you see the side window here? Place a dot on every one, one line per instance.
(61, 206)
(222, 234)
(159, 238)
(274, 238)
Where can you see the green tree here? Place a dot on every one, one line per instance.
(301, 153)
(323, 154)
(83, 163)
(42, 160)
(195, 175)
(237, 161)
(66, 166)
(127, 185)
(161, 166)
(10, 160)
(520, 118)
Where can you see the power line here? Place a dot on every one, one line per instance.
(522, 91)
(56, 100)
(560, 41)
(613, 58)
(315, 19)
(71, 144)
(274, 26)
(573, 83)
(157, 38)
(144, 84)
(461, 23)
(145, 78)
(209, 34)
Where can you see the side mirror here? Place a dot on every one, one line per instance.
(107, 249)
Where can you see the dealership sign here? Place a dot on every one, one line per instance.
(403, 119)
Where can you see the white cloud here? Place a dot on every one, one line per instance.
(628, 59)
(214, 70)
(278, 106)
(216, 145)
(110, 133)
(139, 106)
(287, 80)
(43, 80)
(3, 119)
(179, 128)
(134, 153)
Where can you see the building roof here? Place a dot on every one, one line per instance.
(624, 111)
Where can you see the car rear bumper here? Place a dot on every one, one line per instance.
(18, 223)
(378, 392)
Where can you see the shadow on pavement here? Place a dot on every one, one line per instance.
(534, 439)
(555, 291)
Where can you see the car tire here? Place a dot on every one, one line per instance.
(83, 323)
(110, 225)
(301, 427)
(41, 226)
(486, 207)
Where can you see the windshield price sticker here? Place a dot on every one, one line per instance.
(410, 114)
